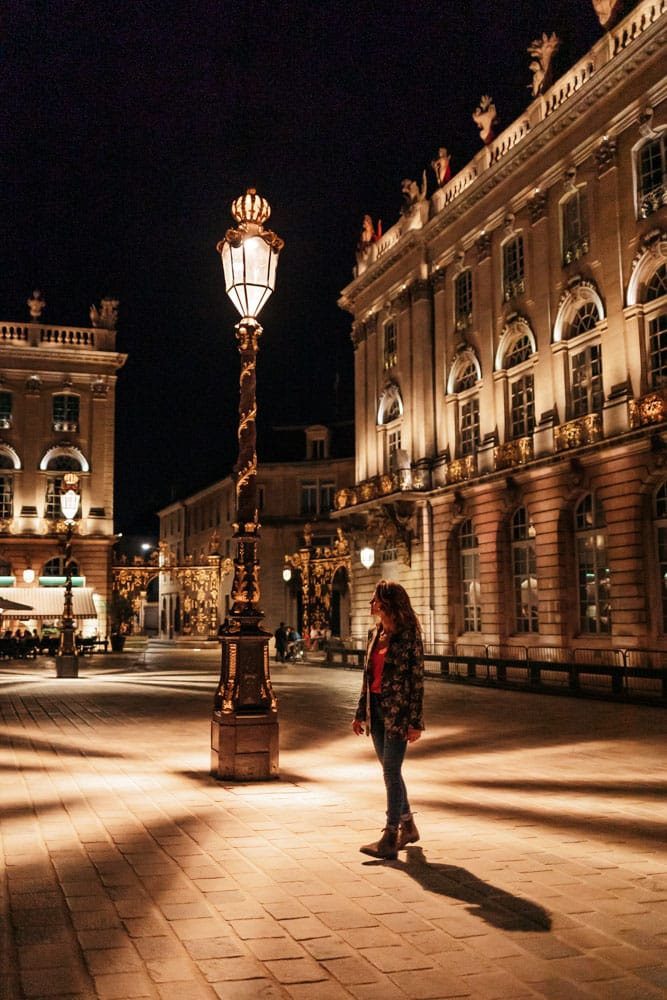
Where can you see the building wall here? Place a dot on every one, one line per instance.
(584, 135)
(38, 361)
(187, 527)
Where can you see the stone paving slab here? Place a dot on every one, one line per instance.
(128, 872)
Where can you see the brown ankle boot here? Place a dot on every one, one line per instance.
(385, 847)
(407, 833)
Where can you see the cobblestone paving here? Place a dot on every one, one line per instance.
(128, 872)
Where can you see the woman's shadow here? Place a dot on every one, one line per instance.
(495, 906)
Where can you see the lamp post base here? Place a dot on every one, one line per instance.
(244, 747)
(67, 665)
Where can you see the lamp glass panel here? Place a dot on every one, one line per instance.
(69, 504)
(367, 556)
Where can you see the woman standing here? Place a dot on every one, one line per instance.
(390, 706)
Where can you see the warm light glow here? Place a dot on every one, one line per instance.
(367, 556)
(250, 274)
(287, 574)
(69, 498)
(28, 575)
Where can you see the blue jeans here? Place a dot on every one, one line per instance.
(390, 752)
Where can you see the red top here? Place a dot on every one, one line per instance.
(377, 666)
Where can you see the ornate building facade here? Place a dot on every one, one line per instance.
(510, 337)
(295, 496)
(57, 416)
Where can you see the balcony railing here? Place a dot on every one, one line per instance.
(513, 453)
(575, 433)
(648, 409)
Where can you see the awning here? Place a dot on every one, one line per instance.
(47, 602)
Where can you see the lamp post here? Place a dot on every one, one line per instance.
(244, 727)
(66, 660)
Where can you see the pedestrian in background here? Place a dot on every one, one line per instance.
(390, 708)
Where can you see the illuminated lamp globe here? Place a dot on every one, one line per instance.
(367, 556)
(287, 574)
(250, 256)
(69, 497)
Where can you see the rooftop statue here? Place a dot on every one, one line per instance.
(442, 166)
(486, 118)
(412, 194)
(368, 233)
(608, 12)
(106, 316)
(36, 305)
(543, 50)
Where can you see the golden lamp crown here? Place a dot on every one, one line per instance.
(251, 207)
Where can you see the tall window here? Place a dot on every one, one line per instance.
(651, 176)
(592, 569)
(587, 392)
(65, 412)
(309, 498)
(574, 226)
(327, 490)
(62, 463)
(522, 390)
(463, 382)
(656, 288)
(470, 589)
(524, 573)
(660, 514)
(390, 412)
(463, 300)
(390, 346)
(6, 496)
(513, 268)
(5, 410)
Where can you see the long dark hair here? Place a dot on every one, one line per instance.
(394, 599)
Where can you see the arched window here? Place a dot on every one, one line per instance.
(656, 289)
(462, 382)
(390, 412)
(515, 357)
(592, 570)
(470, 588)
(524, 573)
(578, 319)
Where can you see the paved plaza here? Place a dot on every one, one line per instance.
(128, 872)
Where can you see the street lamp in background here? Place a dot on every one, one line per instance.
(66, 659)
(244, 727)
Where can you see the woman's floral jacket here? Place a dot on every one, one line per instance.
(402, 689)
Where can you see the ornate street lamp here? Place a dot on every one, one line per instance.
(244, 727)
(66, 660)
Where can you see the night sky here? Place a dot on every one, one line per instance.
(126, 131)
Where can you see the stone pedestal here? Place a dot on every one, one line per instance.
(67, 665)
(244, 747)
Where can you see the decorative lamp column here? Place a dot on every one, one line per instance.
(67, 660)
(244, 727)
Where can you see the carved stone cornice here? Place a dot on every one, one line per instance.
(402, 300)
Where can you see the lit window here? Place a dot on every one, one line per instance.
(463, 300)
(592, 569)
(513, 268)
(651, 176)
(522, 406)
(657, 351)
(586, 318)
(65, 412)
(6, 497)
(587, 392)
(524, 573)
(390, 346)
(574, 226)
(470, 426)
(470, 589)
(5, 410)
(52, 508)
